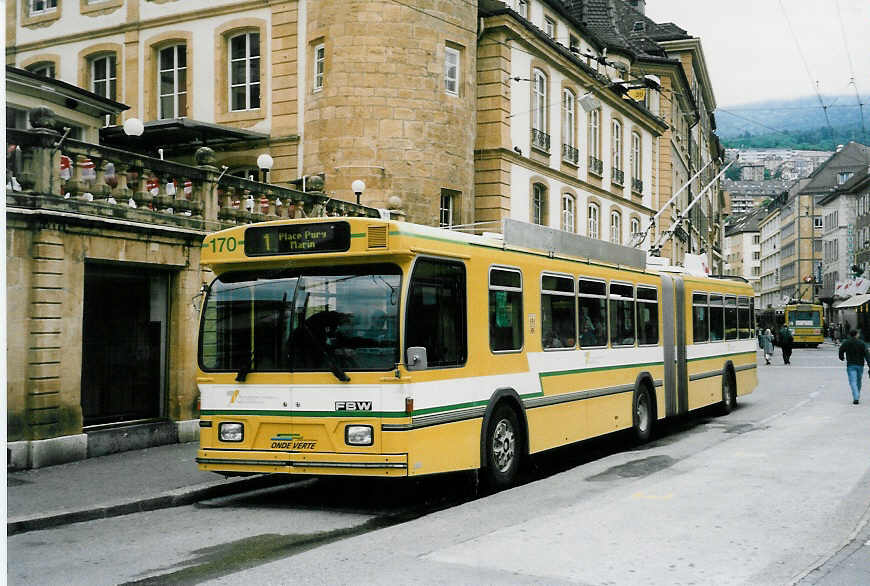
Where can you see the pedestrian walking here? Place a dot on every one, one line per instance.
(786, 340)
(855, 352)
(766, 343)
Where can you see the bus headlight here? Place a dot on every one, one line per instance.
(358, 435)
(231, 432)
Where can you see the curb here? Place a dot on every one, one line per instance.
(173, 498)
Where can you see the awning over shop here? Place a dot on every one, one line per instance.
(177, 135)
(855, 301)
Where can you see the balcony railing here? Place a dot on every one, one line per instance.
(617, 176)
(636, 185)
(84, 178)
(570, 154)
(596, 166)
(540, 140)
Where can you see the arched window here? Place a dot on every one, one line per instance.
(568, 207)
(172, 82)
(594, 141)
(616, 144)
(635, 227)
(569, 140)
(244, 72)
(617, 175)
(103, 73)
(540, 115)
(636, 180)
(615, 227)
(539, 204)
(593, 214)
(42, 69)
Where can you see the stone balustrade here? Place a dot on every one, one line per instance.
(71, 176)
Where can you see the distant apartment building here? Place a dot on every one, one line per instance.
(743, 196)
(860, 186)
(743, 247)
(769, 293)
(839, 239)
(752, 173)
(815, 199)
(846, 240)
(800, 224)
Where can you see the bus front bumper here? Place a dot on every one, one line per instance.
(320, 463)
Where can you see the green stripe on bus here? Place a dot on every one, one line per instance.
(388, 414)
(385, 414)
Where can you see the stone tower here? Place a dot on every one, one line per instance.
(388, 111)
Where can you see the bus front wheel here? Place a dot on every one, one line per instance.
(503, 445)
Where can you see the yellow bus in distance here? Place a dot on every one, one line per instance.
(359, 346)
(806, 322)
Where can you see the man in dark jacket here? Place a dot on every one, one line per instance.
(855, 352)
(786, 340)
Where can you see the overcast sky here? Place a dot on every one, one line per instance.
(752, 53)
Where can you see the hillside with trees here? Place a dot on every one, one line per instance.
(794, 124)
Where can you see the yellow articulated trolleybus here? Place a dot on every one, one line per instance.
(357, 346)
(806, 322)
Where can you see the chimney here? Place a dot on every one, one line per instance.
(639, 5)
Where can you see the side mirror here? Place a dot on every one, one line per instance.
(415, 358)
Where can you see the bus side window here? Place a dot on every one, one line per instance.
(730, 318)
(744, 318)
(700, 318)
(752, 311)
(717, 319)
(593, 313)
(647, 316)
(621, 314)
(505, 309)
(436, 314)
(558, 328)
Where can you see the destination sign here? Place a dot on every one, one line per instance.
(297, 239)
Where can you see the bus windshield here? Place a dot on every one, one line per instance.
(334, 319)
(804, 318)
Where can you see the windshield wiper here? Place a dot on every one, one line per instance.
(335, 369)
(245, 369)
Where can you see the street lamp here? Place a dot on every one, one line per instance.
(133, 127)
(358, 188)
(265, 162)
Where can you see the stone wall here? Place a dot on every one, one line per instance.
(45, 269)
(383, 114)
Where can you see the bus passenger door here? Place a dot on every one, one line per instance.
(674, 346)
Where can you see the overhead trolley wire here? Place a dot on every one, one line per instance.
(813, 83)
(851, 71)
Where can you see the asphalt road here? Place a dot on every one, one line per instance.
(774, 493)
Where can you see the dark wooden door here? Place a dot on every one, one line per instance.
(121, 346)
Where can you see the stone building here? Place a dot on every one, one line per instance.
(102, 269)
(580, 115)
(688, 148)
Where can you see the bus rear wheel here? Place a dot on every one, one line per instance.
(729, 393)
(503, 445)
(642, 415)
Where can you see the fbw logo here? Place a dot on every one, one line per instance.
(353, 405)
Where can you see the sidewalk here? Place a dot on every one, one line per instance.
(108, 486)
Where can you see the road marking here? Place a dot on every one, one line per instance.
(653, 497)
